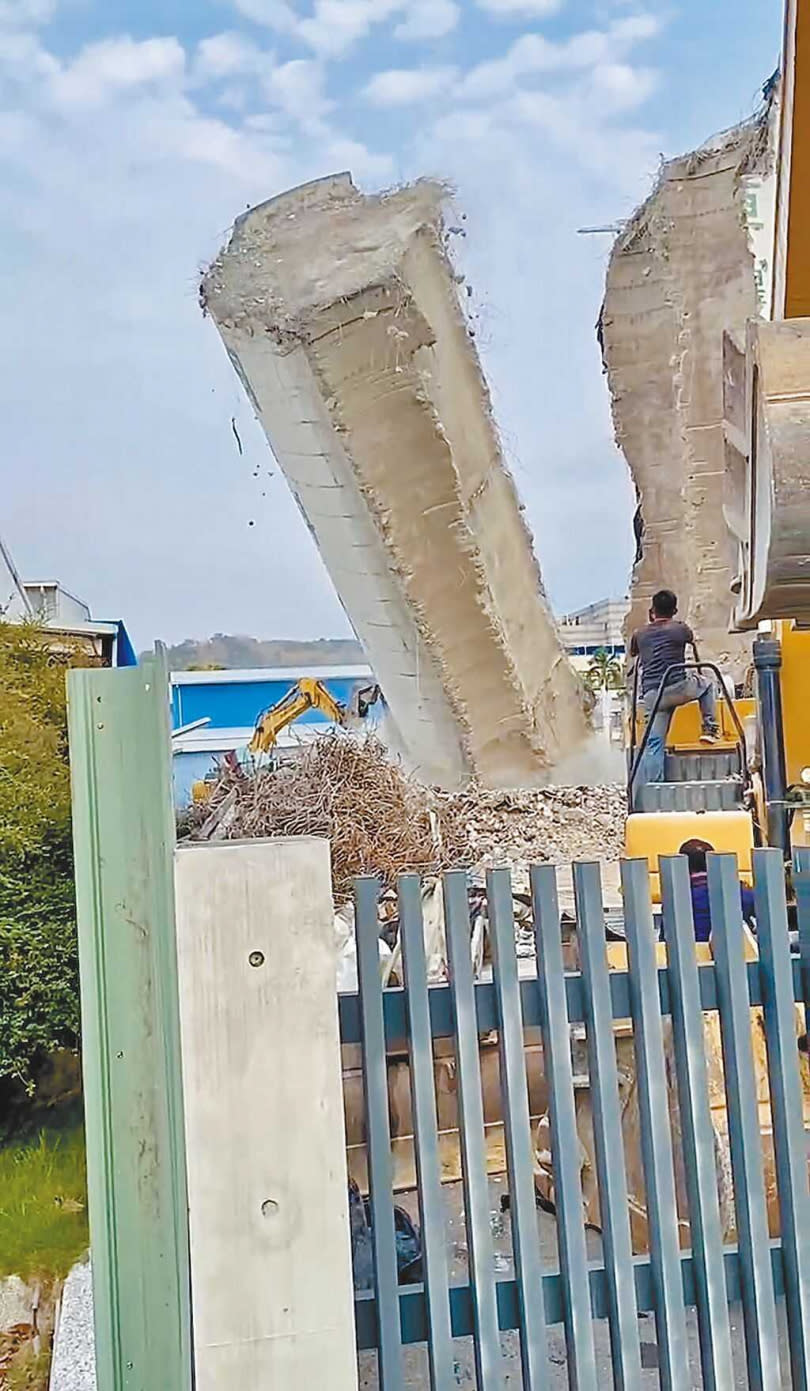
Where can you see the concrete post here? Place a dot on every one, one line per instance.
(272, 1293)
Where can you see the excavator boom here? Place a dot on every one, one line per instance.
(307, 694)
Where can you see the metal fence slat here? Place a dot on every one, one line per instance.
(565, 1145)
(423, 1100)
(656, 1141)
(378, 1138)
(784, 1082)
(696, 1126)
(517, 1131)
(487, 1343)
(611, 1171)
(759, 1305)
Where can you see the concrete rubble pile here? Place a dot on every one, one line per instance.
(343, 317)
(692, 262)
(553, 825)
(381, 821)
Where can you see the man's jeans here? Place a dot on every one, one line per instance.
(699, 688)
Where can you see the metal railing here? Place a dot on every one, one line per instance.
(637, 757)
(577, 1292)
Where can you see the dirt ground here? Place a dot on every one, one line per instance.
(415, 1357)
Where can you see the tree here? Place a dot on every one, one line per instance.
(604, 672)
(39, 984)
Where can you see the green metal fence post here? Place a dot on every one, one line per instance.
(124, 843)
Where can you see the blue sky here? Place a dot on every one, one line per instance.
(132, 134)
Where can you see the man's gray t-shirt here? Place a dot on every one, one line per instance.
(658, 646)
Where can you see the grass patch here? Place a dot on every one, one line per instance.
(43, 1205)
(28, 1372)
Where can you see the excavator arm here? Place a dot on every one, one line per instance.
(307, 694)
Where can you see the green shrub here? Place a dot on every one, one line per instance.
(39, 964)
(39, 996)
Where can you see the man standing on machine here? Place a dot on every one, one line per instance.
(660, 647)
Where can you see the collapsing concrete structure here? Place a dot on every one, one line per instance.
(341, 314)
(692, 262)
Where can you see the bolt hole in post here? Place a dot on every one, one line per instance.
(270, 1207)
(256, 958)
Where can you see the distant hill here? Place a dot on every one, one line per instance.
(235, 650)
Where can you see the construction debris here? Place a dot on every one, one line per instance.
(381, 821)
(548, 825)
(343, 317)
(347, 789)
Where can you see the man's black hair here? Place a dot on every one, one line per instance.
(665, 603)
(695, 852)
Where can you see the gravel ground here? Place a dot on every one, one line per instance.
(74, 1365)
(415, 1358)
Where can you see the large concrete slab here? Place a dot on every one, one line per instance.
(342, 317)
(693, 261)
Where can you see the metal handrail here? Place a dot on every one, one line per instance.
(684, 667)
(633, 712)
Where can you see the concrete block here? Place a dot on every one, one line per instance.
(272, 1293)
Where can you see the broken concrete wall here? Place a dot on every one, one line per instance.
(341, 314)
(691, 263)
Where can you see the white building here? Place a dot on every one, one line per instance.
(597, 628)
(54, 606)
(49, 604)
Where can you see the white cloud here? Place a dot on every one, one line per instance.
(335, 26)
(519, 9)
(428, 19)
(115, 65)
(532, 54)
(297, 88)
(340, 152)
(229, 54)
(636, 26)
(404, 86)
(19, 14)
(620, 87)
(276, 14)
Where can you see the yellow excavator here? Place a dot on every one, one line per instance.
(307, 694)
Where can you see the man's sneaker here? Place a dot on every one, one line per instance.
(710, 735)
